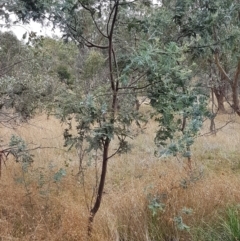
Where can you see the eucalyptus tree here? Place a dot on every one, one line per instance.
(93, 24)
(147, 57)
(24, 91)
(57, 59)
(211, 30)
(173, 94)
(13, 54)
(23, 86)
(11, 50)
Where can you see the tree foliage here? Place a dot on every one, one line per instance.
(22, 87)
(211, 30)
(125, 49)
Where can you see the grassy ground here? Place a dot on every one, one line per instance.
(146, 198)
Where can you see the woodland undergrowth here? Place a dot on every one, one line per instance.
(145, 198)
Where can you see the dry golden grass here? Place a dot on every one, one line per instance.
(34, 207)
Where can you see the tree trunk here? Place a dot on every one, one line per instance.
(234, 83)
(96, 206)
(114, 82)
(212, 122)
(0, 167)
(234, 86)
(220, 94)
(235, 97)
(137, 102)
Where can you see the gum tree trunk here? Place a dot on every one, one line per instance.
(114, 82)
(220, 95)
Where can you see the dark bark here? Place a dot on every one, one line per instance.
(97, 204)
(114, 88)
(220, 95)
(0, 167)
(234, 83)
(212, 120)
(189, 159)
(137, 102)
(234, 86)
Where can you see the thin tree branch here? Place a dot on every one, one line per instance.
(223, 72)
(110, 16)
(215, 131)
(92, 16)
(12, 65)
(98, 28)
(85, 7)
(116, 66)
(135, 81)
(111, 47)
(87, 42)
(137, 88)
(125, 3)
